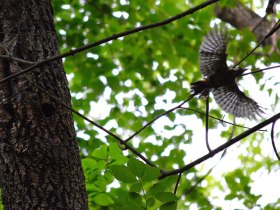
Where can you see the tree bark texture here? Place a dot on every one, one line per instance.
(39, 157)
(241, 16)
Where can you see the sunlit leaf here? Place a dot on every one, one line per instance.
(123, 174)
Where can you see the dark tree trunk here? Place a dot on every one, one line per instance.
(39, 157)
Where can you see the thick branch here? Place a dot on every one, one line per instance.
(241, 16)
(222, 147)
(266, 37)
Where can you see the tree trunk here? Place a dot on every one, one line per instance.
(241, 16)
(39, 157)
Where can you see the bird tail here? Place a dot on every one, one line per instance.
(200, 87)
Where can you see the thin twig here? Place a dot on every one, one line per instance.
(206, 125)
(273, 30)
(192, 188)
(261, 70)
(211, 169)
(221, 148)
(110, 38)
(221, 120)
(177, 183)
(272, 140)
(8, 57)
(97, 125)
(15, 95)
(159, 116)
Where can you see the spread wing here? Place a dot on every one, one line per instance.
(213, 53)
(236, 102)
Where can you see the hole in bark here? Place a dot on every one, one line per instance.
(48, 109)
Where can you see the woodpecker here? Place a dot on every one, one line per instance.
(221, 80)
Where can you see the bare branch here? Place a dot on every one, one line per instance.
(211, 169)
(221, 148)
(8, 57)
(110, 38)
(177, 183)
(240, 16)
(97, 125)
(270, 5)
(159, 116)
(206, 125)
(273, 142)
(273, 30)
(261, 70)
(221, 120)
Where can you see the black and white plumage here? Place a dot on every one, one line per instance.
(220, 80)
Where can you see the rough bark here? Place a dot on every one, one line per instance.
(241, 16)
(39, 157)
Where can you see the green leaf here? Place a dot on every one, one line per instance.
(103, 199)
(136, 187)
(116, 156)
(123, 174)
(101, 152)
(227, 3)
(136, 167)
(166, 197)
(230, 196)
(151, 202)
(135, 198)
(157, 188)
(88, 163)
(114, 150)
(150, 174)
(108, 177)
(131, 206)
(169, 206)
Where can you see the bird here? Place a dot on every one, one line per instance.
(220, 80)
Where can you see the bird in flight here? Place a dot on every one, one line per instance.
(220, 79)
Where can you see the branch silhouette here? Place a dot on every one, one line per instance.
(269, 8)
(177, 183)
(272, 31)
(221, 148)
(261, 70)
(206, 125)
(8, 57)
(159, 116)
(200, 179)
(216, 118)
(110, 38)
(97, 125)
(272, 140)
